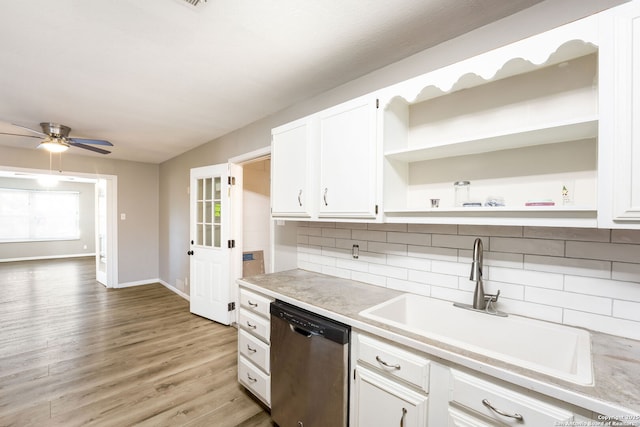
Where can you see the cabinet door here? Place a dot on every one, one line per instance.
(382, 402)
(619, 151)
(348, 160)
(291, 170)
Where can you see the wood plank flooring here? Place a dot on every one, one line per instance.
(73, 353)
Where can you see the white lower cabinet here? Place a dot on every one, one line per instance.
(489, 404)
(254, 370)
(390, 384)
(397, 386)
(383, 402)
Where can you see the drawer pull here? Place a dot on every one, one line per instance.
(253, 380)
(251, 325)
(383, 363)
(252, 304)
(404, 414)
(251, 350)
(516, 416)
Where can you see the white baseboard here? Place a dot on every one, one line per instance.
(173, 289)
(137, 283)
(35, 258)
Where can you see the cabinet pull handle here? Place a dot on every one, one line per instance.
(251, 325)
(253, 380)
(382, 362)
(300, 198)
(252, 304)
(251, 350)
(324, 197)
(516, 416)
(404, 414)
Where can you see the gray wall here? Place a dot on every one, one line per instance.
(174, 173)
(137, 197)
(11, 250)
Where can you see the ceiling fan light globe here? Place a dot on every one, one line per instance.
(53, 145)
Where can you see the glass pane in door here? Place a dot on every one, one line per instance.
(208, 217)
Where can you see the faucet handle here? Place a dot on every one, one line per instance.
(492, 297)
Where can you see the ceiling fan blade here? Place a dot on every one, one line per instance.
(91, 141)
(18, 134)
(29, 129)
(87, 147)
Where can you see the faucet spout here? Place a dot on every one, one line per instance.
(479, 300)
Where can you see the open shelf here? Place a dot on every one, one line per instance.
(520, 123)
(576, 129)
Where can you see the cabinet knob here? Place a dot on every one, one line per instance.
(189, 253)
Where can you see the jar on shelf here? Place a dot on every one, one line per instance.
(462, 191)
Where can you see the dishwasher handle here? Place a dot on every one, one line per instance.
(303, 332)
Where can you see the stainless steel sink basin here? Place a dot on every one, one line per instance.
(557, 350)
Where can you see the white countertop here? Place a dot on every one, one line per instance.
(616, 361)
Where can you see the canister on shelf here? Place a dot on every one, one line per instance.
(462, 192)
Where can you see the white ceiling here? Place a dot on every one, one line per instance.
(159, 77)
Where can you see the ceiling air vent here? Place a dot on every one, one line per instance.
(195, 2)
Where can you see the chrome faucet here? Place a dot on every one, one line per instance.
(479, 301)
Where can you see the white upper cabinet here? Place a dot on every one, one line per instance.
(347, 156)
(619, 155)
(546, 130)
(324, 166)
(292, 194)
(520, 123)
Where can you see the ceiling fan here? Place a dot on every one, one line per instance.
(56, 139)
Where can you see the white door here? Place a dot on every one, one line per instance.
(106, 245)
(211, 247)
(101, 231)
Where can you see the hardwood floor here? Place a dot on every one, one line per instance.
(73, 353)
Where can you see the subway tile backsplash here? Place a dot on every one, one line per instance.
(581, 277)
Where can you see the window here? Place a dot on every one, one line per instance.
(27, 215)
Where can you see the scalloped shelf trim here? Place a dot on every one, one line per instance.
(559, 45)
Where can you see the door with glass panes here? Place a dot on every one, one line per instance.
(210, 248)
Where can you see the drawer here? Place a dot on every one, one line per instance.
(254, 349)
(470, 392)
(397, 362)
(254, 380)
(255, 302)
(257, 325)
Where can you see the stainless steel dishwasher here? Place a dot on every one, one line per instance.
(309, 368)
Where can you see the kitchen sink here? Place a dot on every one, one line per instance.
(557, 350)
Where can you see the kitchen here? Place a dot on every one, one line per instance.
(549, 257)
(586, 269)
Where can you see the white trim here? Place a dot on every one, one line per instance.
(137, 283)
(252, 155)
(36, 258)
(173, 289)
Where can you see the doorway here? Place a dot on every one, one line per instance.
(106, 258)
